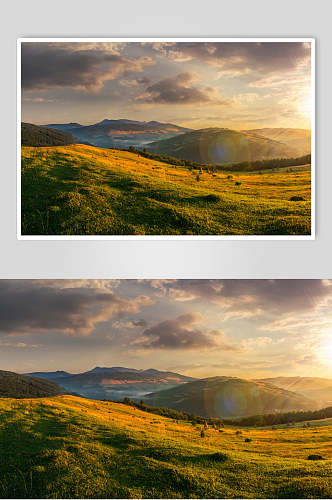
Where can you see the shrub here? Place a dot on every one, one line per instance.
(247, 440)
(229, 177)
(315, 457)
(212, 197)
(218, 457)
(238, 432)
(296, 198)
(238, 183)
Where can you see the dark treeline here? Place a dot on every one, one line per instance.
(175, 414)
(32, 135)
(244, 166)
(252, 166)
(166, 158)
(281, 418)
(251, 421)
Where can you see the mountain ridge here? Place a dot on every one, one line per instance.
(119, 133)
(221, 145)
(115, 382)
(229, 397)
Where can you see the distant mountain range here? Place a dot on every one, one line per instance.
(223, 145)
(13, 385)
(114, 382)
(119, 133)
(229, 397)
(209, 397)
(209, 145)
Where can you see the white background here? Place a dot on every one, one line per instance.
(166, 18)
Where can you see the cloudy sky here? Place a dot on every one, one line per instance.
(202, 328)
(226, 84)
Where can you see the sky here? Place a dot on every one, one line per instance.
(237, 85)
(201, 328)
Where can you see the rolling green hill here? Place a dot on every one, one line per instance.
(221, 145)
(229, 397)
(13, 385)
(84, 190)
(32, 135)
(67, 447)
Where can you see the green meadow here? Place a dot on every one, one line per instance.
(69, 447)
(84, 190)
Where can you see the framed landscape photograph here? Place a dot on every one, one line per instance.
(209, 138)
(166, 388)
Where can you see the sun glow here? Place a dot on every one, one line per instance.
(325, 350)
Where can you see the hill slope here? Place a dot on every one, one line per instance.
(229, 397)
(67, 447)
(13, 385)
(116, 382)
(319, 389)
(120, 133)
(221, 145)
(297, 138)
(32, 135)
(91, 191)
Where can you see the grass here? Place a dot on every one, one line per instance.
(84, 190)
(68, 447)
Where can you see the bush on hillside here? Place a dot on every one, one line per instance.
(315, 457)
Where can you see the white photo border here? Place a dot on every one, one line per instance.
(312, 236)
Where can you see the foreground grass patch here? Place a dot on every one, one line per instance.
(83, 190)
(68, 447)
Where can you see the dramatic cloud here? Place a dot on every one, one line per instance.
(241, 296)
(182, 333)
(47, 66)
(179, 90)
(238, 85)
(31, 308)
(250, 328)
(257, 56)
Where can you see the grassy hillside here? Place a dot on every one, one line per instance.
(67, 447)
(222, 145)
(13, 385)
(32, 135)
(79, 189)
(229, 397)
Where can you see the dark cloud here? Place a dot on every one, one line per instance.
(182, 333)
(143, 81)
(179, 90)
(260, 56)
(46, 66)
(270, 296)
(29, 307)
(141, 323)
